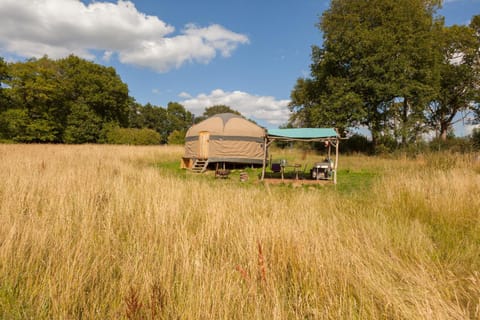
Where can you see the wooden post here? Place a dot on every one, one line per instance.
(336, 161)
(264, 157)
(329, 149)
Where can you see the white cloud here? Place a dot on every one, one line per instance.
(468, 130)
(107, 55)
(265, 108)
(61, 27)
(194, 45)
(184, 95)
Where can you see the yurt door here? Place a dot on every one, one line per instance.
(203, 139)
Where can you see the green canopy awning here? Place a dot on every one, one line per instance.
(303, 133)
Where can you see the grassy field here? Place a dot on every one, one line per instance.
(119, 232)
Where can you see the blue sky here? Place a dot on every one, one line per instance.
(246, 54)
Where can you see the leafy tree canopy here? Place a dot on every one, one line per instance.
(375, 54)
(72, 100)
(459, 77)
(216, 109)
(62, 100)
(3, 77)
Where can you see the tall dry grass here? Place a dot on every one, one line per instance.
(99, 232)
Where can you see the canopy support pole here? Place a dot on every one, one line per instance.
(265, 155)
(336, 162)
(264, 164)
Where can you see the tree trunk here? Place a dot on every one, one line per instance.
(405, 122)
(443, 131)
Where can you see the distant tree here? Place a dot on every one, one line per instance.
(198, 119)
(36, 87)
(106, 131)
(41, 131)
(459, 77)
(3, 69)
(177, 137)
(98, 87)
(216, 109)
(135, 117)
(13, 124)
(311, 105)
(178, 118)
(175, 118)
(56, 98)
(475, 25)
(83, 125)
(375, 53)
(155, 118)
(3, 76)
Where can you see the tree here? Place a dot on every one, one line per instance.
(313, 104)
(218, 109)
(83, 125)
(37, 87)
(164, 121)
(375, 54)
(178, 118)
(55, 98)
(13, 124)
(213, 110)
(475, 25)
(3, 76)
(459, 77)
(135, 117)
(155, 118)
(98, 87)
(3, 70)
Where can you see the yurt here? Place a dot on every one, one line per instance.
(224, 138)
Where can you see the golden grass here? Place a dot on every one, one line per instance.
(98, 232)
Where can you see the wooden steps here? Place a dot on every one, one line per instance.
(199, 166)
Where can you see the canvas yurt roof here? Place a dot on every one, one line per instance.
(227, 124)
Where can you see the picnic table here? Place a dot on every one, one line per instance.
(295, 166)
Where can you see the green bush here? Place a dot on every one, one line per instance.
(453, 144)
(412, 149)
(131, 136)
(356, 144)
(386, 145)
(177, 137)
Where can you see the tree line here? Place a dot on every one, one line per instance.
(72, 100)
(393, 67)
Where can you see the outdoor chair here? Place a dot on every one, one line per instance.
(275, 167)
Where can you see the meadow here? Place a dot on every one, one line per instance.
(120, 232)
